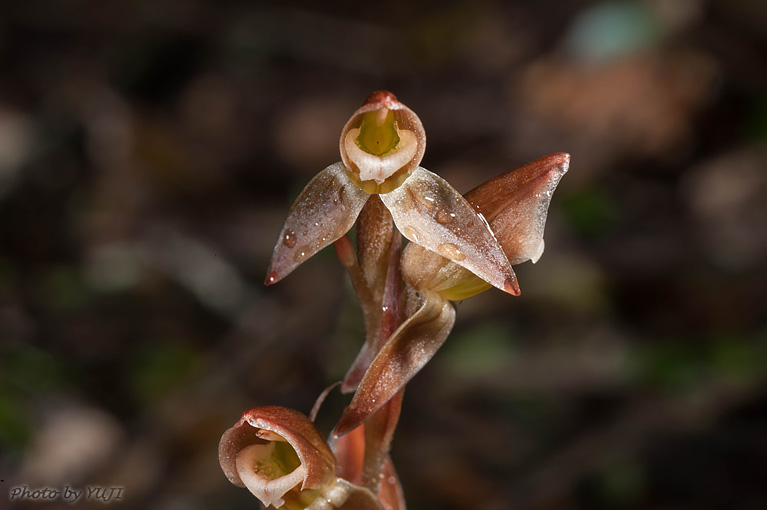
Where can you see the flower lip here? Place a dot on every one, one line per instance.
(272, 450)
(382, 143)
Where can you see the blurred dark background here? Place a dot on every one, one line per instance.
(149, 151)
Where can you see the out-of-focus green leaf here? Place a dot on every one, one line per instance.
(29, 370)
(482, 350)
(622, 482)
(63, 289)
(591, 212)
(670, 365)
(755, 127)
(738, 359)
(15, 426)
(160, 367)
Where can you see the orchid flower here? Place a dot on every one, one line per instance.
(283, 460)
(516, 205)
(381, 147)
(459, 246)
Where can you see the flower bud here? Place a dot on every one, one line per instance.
(382, 143)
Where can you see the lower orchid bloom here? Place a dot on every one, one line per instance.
(381, 147)
(516, 205)
(283, 460)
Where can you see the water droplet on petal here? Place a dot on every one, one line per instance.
(411, 234)
(289, 238)
(426, 201)
(301, 253)
(450, 251)
(341, 198)
(444, 217)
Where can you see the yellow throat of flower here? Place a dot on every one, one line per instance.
(381, 152)
(378, 132)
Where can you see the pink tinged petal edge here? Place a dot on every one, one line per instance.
(516, 205)
(323, 212)
(406, 352)
(431, 213)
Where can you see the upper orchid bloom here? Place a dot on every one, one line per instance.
(381, 147)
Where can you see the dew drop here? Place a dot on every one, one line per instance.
(289, 238)
(341, 198)
(426, 201)
(411, 234)
(444, 217)
(450, 251)
(301, 253)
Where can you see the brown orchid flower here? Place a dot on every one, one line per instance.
(281, 457)
(381, 147)
(460, 246)
(516, 205)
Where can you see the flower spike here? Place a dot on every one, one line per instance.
(459, 246)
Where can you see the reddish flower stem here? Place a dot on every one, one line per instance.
(387, 315)
(379, 428)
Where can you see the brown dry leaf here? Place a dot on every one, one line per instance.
(642, 104)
